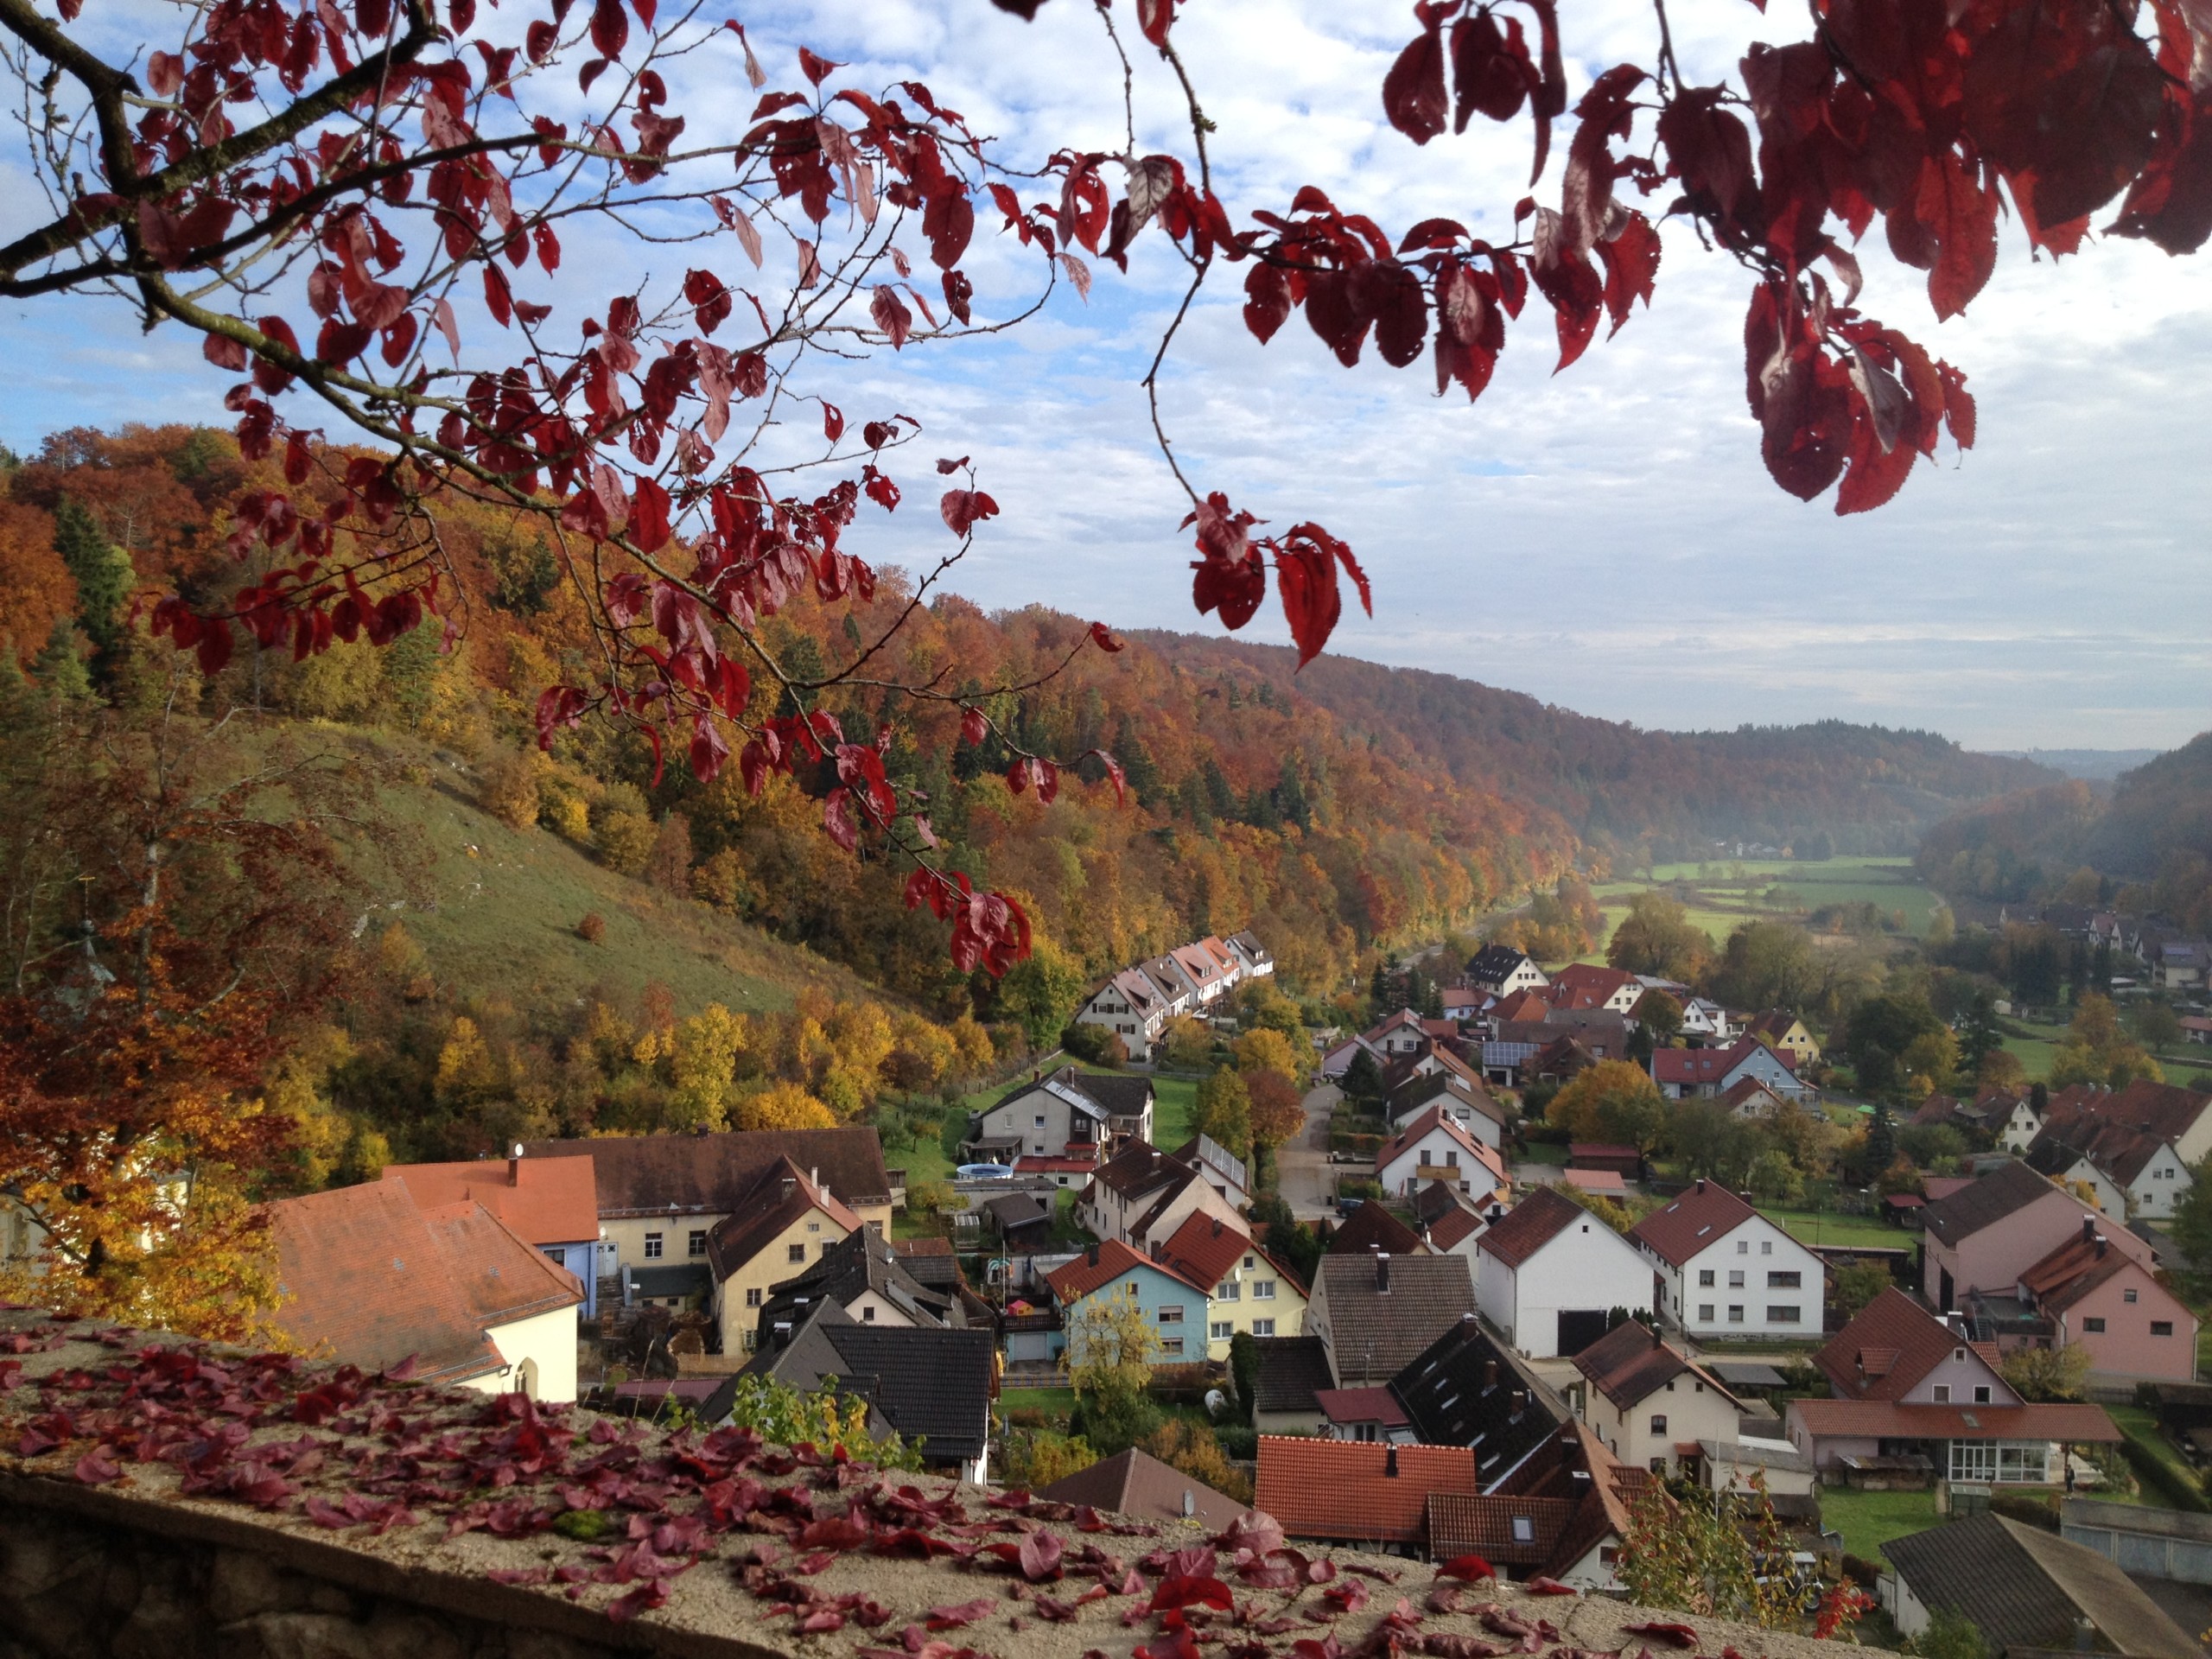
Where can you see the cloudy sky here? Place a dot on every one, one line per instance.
(1606, 540)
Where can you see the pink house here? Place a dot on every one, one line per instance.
(2096, 1294)
(1984, 1236)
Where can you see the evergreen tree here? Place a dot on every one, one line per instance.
(1881, 1142)
(1219, 795)
(104, 576)
(1290, 796)
(1137, 764)
(60, 667)
(1260, 810)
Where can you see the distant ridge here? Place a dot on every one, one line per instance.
(2091, 766)
(1866, 788)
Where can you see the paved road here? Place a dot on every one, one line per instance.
(1303, 1173)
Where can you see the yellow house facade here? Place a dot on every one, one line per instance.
(786, 1226)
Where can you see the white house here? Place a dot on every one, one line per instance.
(1705, 1020)
(1548, 1272)
(1141, 1195)
(1501, 971)
(1686, 1073)
(1065, 1112)
(1435, 1147)
(2135, 1172)
(1644, 1399)
(1724, 1270)
(1467, 1103)
(1133, 1007)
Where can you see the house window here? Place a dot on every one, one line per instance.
(2093, 1327)
(1766, 1247)
(1263, 1290)
(1171, 1314)
(1705, 1278)
(752, 1341)
(1782, 1312)
(1658, 1422)
(797, 1252)
(1974, 1460)
(1220, 1330)
(1735, 1279)
(1229, 1290)
(752, 1297)
(2126, 1295)
(813, 1226)
(2162, 1327)
(1942, 1394)
(1742, 1247)
(1735, 1312)
(1251, 1262)
(1784, 1281)
(1705, 1313)
(652, 1247)
(1040, 1121)
(1171, 1347)
(1607, 1554)
(1524, 1529)
(1981, 1394)
(868, 1316)
(695, 1242)
(1264, 1327)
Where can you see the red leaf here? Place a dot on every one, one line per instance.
(1631, 263)
(1544, 1585)
(1962, 215)
(973, 726)
(833, 420)
(961, 510)
(214, 645)
(891, 315)
(1466, 1567)
(648, 528)
(1413, 91)
(1492, 72)
(1177, 1644)
(816, 70)
(96, 1468)
(223, 352)
(651, 1594)
(1102, 639)
(966, 1612)
(1155, 18)
(837, 818)
(1040, 1551)
(610, 28)
(1267, 301)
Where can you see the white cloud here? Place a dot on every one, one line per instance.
(1606, 539)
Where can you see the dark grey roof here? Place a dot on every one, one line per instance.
(1495, 962)
(1135, 1483)
(1114, 1094)
(2025, 1587)
(2011, 1185)
(1374, 1332)
(1741, 1374)
(846, 1272)
(1417, 1092)
(1438, 1199)
(1202, 1149)
(1292, 1369)
(676, 1279)
(921, 1382)
(1468, 1389)
(644, 1174)
(1015, 1210)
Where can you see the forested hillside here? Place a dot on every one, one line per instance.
(1638, 794)
(2146, 846)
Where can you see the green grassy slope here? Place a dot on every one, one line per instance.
(496, 911)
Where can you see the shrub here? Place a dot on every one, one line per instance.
(1860, 1571)
(626, 841)
(593, 928)
(1240, 1441)
(1026, 1417)
(2036, 1510)
(510, 791)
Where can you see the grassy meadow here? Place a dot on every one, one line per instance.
(1721, 895)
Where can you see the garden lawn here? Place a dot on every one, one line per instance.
(1057, 1404)
(2141, 1425)
(1869, 1520)
(1826, 1228)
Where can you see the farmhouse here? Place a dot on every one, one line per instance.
(1724, 1270)
(1548, 1272)
(1435, 1147)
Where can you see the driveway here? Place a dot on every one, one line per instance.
(1303, 1173)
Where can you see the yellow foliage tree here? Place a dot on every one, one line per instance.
(703, 1067)
(1612, 1100)
(783, 1105)
(974, 1052)
(1263, 1050)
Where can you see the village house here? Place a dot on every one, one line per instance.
(1141, 1195)
(661, 1195)
(1372, 1227)
(1586, 985)
(1647, 1404)
(1062, 1114)
(551, 1202)
(863, 1274)
(1294, 1373)
(1449, 1220)
(1468, 1103)
(1687, 1073)
(1247, 1289)
(1907, 1385)
(1501, 971)
(1134, 1006)
(1468, 1389)
(371, 1277)
(1706, 1022)
(927, 1383)
(1723, 1269)
(2180, 1118)
(1135, 1483)
(1174, 1307)
(1750, 1097)
(2087, 1291)
(1984, 1236)
(1561, 1514)
(1435, 1147)
(2135, 1175)
(1548, 1272)
(786, 1221)
(1373, 1312)
(1785, 1033)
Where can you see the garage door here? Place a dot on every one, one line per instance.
(1578, 1328)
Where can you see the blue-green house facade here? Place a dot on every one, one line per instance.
(1174, 1309)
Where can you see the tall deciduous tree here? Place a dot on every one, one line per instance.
(249, 179)
(1657, 937)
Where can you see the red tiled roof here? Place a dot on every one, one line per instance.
(1743, 1089)
(1204, 1249)
(1530, 1006)
(1630, 1363)
(1342, 1489)
(1703, 1214)
(1886, 1419)
(1599, 1149)
(1361, 1406)
(1485, 1527)
(1451, 1227)
(1073, 1281)
(547, 1200)
(1898, 1342)
(1586, 985)
(2078, 1267)
(781, 1195)
(1529, 1225)
(371, 1277)
(1372, 1227)
(1596, 1180)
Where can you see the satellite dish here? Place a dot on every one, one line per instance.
(1217, 1403)
(518, 1151)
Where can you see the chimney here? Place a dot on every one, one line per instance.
(1382, 1272)
(514, 1166)
(2101, 1245)
(1390, 1463)
(1700, 1184)
(1094, 1256)
(1190, 1502)
(1490, 1375)
(1656, 1340)
(2089, 1229)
